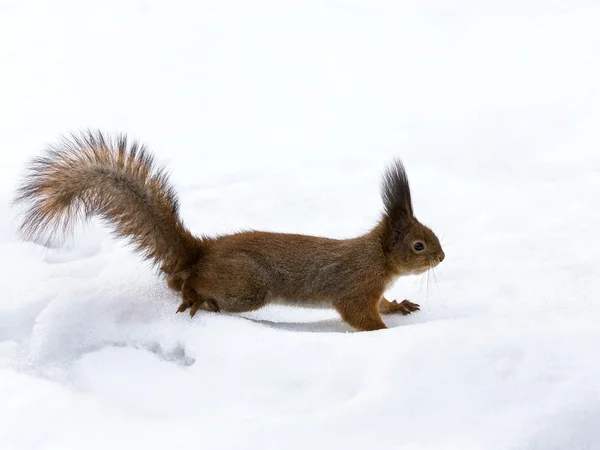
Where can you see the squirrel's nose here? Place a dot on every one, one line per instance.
(441, 255)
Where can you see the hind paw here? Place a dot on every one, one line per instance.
(195, 304)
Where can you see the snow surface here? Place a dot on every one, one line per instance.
(281, 116)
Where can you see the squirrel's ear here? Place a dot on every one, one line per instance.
(400, 221)
(395, 191)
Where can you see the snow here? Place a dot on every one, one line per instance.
(281, 116)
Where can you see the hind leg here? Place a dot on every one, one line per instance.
(175, 282)
(193, 300)
(240, 295)
(250, 301)
(237, 284)
(215, 289)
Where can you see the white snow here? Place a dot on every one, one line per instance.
(281, 116)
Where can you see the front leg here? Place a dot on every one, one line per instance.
(360, 314)
(405, 307)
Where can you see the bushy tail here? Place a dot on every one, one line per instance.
(91, 174)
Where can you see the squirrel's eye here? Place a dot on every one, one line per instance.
(418, 246)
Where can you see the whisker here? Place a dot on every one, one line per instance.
(432, 270)
(437, 284)
(428, 271)
(420, 287)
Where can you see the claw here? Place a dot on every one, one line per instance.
(410, 306)
(194, 309)
(183, 307)
(212, 305)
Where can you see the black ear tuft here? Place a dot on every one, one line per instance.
(395, 192)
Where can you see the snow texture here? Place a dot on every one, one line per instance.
(281, 116)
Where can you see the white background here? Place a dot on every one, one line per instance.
(281, 116)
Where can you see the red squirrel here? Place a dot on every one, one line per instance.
(91, 174)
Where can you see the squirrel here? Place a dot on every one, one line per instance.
(92, 174)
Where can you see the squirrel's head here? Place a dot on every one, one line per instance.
(410, 247)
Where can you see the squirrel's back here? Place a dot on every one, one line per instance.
(90, 174)
(301, 267)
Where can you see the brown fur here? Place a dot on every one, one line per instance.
(89, 174)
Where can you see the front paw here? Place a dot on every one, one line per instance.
(405, 307)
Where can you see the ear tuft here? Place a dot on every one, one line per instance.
(395, 192)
